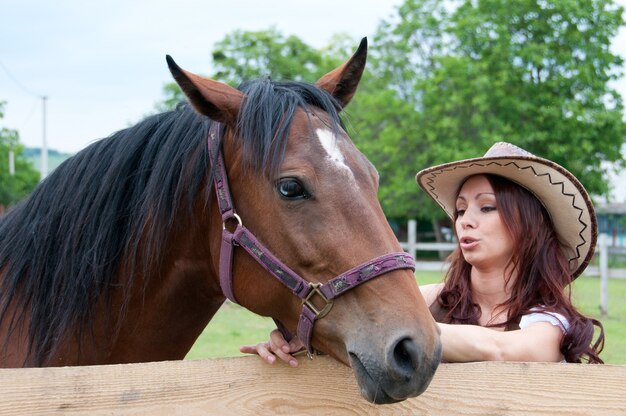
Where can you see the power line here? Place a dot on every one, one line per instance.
(19, 84)
(44, 98)
(29, 114)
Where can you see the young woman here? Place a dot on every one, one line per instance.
(526, 228)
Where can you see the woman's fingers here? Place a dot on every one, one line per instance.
(295, 344)
(248, 349)
(284, 349)
(278, 342)
(277, 346)
(262, 349)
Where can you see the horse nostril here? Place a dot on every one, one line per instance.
(404, 358)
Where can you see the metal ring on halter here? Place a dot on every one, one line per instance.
(315, 290)
(309, 354)
(235, 216)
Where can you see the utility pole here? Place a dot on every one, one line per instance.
(44, 148)
(11, 161)
(44, 144)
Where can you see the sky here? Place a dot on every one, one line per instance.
(102, 67)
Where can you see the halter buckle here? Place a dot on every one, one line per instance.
(234, 216)
(315, 290)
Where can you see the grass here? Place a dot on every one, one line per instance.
(586, 297)
(233, 325)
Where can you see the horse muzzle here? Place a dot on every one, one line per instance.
(401, 370)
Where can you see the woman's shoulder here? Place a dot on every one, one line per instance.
(430, 292)
(539, 314)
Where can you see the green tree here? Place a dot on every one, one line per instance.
(14, 187)
(172, 96)
(245, 55)
(387, 117)
(452, 78)
(445, 80)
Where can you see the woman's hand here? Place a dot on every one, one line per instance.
(277, 346)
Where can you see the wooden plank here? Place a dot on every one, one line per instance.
(245, 385)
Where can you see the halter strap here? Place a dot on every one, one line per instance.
(300, 287)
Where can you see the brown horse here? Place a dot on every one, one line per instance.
(116, 257)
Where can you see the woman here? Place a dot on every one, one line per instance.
(526, 229)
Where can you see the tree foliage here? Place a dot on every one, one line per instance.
(534, 73)
(14, 187)
(246, 55)
(445, 80)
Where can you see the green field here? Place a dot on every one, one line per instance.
(233, 326)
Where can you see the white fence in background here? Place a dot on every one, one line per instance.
(412, 246)
(603, 251)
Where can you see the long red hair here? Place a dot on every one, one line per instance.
(543, 275)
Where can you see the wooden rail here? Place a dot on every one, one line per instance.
(246, 386)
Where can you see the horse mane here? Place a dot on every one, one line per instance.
(63, 246)
(102, 219)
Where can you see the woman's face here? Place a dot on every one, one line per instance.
(483, 237)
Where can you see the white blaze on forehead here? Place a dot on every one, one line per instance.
(329, 143)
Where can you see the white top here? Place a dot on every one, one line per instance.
(554, 318)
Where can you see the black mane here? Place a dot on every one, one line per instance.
(113, 205)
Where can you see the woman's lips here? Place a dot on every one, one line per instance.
(468, 243)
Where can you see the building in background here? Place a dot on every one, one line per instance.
(612, 222)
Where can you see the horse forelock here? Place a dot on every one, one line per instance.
(266, 117)
(110, 208)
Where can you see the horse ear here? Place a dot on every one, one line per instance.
(214, 99)
(343, 81)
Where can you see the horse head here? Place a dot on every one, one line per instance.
(308, 199)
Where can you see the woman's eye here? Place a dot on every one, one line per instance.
(488, 208)
(291, 188)
(460, 212)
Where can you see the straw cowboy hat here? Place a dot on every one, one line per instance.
(563, 196)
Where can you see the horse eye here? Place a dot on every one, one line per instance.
(291, 188)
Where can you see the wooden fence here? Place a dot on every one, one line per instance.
(247, 386)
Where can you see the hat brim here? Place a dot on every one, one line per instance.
(563, 196)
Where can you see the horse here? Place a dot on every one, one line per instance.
(257, 193)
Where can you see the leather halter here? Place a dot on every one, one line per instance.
(242, 237)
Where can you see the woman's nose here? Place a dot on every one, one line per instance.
(467, 221)
(466, 224)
